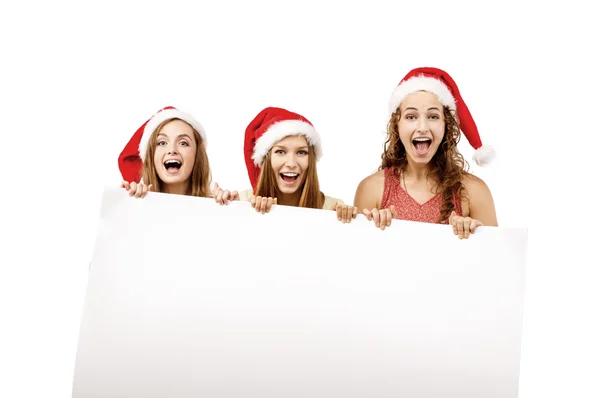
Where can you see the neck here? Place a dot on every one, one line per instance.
(178, 189)
(289, 199)
(417, 171)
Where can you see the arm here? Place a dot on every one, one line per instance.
(481, 204)
(368, 200)
(369, 192)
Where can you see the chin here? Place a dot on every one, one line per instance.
(288, 190)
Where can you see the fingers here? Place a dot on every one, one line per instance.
(475, 224)
(466, 223)
(138, 190)
(385, 218)
(132, 188)
(125, 184)
(376, 218)
(367, 213)
(452, 221)
(263, 204)
(381, 217)
(224, 196)
(143, 190)
(463, 227)
(459, 227)
(345, 213)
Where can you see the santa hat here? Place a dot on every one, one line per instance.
(440, 83)
(270, 126)
(132, 156)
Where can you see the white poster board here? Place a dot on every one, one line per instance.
(187, 298)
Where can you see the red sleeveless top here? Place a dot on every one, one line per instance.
(409, 209)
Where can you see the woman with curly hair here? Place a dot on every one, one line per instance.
(422, 176)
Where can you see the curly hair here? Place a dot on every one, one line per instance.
(448, 166)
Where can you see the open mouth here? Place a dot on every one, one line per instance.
(289, 178)
(421, 145)
(172, 166)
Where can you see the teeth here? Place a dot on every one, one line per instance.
(422, 139)
(172, 162)
(290, 174)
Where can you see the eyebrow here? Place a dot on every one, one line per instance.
(435, 108)
(284, 147)
(179, 136)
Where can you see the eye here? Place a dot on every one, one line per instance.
(279, 152)
(184, 143)
(302, 152)
(161, 143)
(410, 117)
(434, 117)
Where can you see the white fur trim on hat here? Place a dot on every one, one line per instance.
(484, 155)
(167, 114)
(279, 131)
(421, 83)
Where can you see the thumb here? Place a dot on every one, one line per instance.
(367, 213)
(149, 187)
(393, 210)
(451, 215)
(274, 201)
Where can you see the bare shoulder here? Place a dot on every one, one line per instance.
(373, 181)
(480, 203)
(370, 190)
(475, 186)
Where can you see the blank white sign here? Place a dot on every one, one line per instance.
(187, 298)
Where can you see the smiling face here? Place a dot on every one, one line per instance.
(289, 160)
(175, 153)
(421, 126)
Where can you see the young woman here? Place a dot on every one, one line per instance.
(168, 154)
(422, 176)
(281, 150)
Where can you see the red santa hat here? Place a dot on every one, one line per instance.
(270, 126)
(440, 83)
(132, 156)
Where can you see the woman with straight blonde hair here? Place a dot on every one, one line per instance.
(281, 150)
(167, 154)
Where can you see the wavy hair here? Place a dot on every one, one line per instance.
(448, 166)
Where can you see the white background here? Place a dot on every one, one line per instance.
(78, 79)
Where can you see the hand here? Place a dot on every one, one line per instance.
(223, 196)
(382, 217)
(463, 226)
(136, 189)
(262, 204)
(345, 213)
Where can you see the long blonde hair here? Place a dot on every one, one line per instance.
(199, 178)
(311, 196)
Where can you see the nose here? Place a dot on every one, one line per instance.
(172, 149)
(290, 160)
(423, 126)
